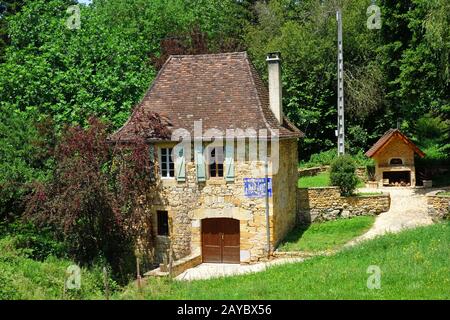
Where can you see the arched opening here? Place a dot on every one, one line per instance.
(220, 240)
(396, 161)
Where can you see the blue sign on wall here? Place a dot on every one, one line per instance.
(256, 187)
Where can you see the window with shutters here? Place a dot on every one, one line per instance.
(216, 162)
(167, 166)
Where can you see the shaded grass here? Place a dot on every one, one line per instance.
(414, 265)
(24, 278)
(329, 235)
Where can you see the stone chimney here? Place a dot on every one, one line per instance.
(275, 85)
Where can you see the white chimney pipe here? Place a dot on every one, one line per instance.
(275, 85)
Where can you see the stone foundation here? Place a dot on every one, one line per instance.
(438, 206)
(323, 204)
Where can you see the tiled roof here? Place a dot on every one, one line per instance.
(223, 90)
(386, 138)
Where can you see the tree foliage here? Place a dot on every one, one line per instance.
(97, 195)
(399, 72)
(343, 174)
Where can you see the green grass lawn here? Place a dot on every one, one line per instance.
(329, 235)
(369, 194)
(414, 264)
(319, 180)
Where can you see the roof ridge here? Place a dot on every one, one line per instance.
(209, 55)
(386, 138)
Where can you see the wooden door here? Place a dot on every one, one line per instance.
(220, 240)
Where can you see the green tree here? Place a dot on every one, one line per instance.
(7, 9)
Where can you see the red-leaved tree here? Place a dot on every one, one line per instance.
(98, 195)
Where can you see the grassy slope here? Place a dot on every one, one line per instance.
(25, 278)
(326, 235)
(414, 265)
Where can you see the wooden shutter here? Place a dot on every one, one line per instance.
(229, 161)
(180, 164)
(200, 163)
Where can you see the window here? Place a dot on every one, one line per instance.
(216, 167)
(166, 163)
(395, 161)
(163, 223)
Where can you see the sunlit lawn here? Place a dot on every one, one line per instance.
(319, 180)
(328, 235)
(414, 264)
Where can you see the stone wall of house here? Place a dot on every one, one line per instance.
(395, 149)
(322, 204)
(284, 190)
(438, 206)
(191, 201)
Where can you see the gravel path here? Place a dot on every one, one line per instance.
(217, 270)
(408, 210)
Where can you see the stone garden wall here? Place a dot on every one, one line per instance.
(308, 172)
(438, 206)
(361, 172)
(322, 204)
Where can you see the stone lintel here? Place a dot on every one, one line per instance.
(234, 213)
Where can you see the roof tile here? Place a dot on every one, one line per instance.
(223, 90)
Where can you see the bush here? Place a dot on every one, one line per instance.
(343, 175)
(34, 242)
(325, 158)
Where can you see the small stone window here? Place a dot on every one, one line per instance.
(167, 165)
(216, 163)
(163, 223)
(396, 161)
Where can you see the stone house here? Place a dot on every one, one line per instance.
(210, 195)
(394, 159)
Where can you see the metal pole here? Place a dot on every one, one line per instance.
(267, 206)
(138, 274)
(340, 125)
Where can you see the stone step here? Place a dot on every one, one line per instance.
(178, 267)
